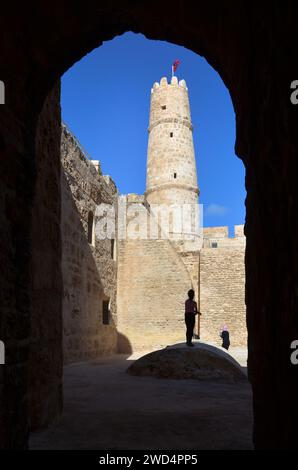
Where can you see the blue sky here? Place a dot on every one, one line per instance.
(106, 100)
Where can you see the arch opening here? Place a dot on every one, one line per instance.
(84, 190)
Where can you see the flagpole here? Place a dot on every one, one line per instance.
(172, 70)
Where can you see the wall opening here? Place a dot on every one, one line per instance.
(220, 179)
(121, 162)
(91, 232)
(106, 312)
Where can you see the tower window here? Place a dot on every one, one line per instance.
(164, 107)
(214, 245)
(171, 134)
(175, 175)
(106, 312)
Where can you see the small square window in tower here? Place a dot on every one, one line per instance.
(164, 107)
(213, 244)
(106, 312)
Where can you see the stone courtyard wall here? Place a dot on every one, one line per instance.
(152, 286)
(222, 286)
(155, 275)
(89, 270)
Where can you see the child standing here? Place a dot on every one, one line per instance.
(225, 335)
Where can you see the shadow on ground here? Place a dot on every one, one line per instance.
(105, 408)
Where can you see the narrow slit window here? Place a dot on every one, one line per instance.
(106, 312)
(91, 237)
(171, 134)
(175, 175)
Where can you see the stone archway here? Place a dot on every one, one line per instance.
(253, 50)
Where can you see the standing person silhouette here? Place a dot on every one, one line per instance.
(191, 310)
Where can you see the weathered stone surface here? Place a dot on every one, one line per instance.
(89, 269)
(46, 355)
(222, 286)
(152, 283)
(171, 166)
(202, 362)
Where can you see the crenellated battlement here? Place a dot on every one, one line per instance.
(223, 232)
(218, 237)
(164, 83)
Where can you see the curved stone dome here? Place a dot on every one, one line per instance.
(202, 362)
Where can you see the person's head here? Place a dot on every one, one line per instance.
(225, 328)
(191, 294)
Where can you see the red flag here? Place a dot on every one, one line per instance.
(175, 65)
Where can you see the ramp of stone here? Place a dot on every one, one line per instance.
(202, 362)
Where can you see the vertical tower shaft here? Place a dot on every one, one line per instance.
(171, 168)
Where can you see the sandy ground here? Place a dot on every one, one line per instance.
(105, 408)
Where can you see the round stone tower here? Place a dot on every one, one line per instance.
(171, 167)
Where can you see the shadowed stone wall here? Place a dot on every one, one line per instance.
(89, 269)
(45, 371)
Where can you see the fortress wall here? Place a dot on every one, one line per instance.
(231, 243)
(152, 286)
(220, 236)
(89, 272)
(239, 230)
(191, 259)
(222, 295)
(215, 232)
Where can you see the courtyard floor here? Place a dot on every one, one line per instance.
(105, 408)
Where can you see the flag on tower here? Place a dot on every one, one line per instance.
(175, 65)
